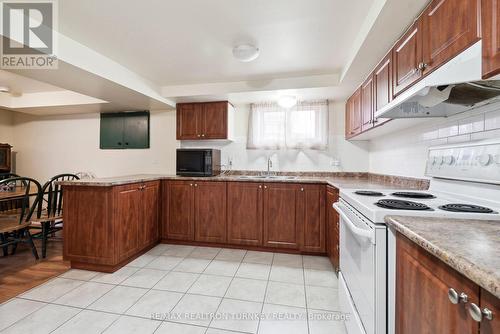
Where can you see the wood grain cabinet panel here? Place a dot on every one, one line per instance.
(210, 211)
(407, 55)
(332, 221)
(448, 28)
(367, 107)
(311, 210)
(128, 210)
(188, 124)
(214, 120)
(149, 232)
(281, 227)
(178, 210)
(490, 24)
(383, 82)
(492, 303)
(353, 114)
(244, 211)
(422, 284)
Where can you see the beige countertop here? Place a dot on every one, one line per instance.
(337, 180)
(471, 247)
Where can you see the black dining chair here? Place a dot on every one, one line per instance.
(4, 176)
(49, 218)
(15, 220)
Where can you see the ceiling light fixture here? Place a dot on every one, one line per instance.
(4, 89)
(245, 52)
(287, 101)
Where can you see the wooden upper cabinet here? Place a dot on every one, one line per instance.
(492, 303)
(491, 37)
(244, 213)
(178, 210)
(214, 120)
(448, 28)
(407, 56)
(281, 227)
(353, 114)
(422, 285)
(332, 224)
(198, 121)
(382, 78)
(311, 210)
(188, 126)
(367, 109)
(210, 211)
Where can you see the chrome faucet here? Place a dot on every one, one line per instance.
(269, 166)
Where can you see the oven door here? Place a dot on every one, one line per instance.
(362, 265)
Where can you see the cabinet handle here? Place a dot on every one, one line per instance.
(456, 298)
(478, 315)
(260, 187)
(196, 185)
(422, 66)
(203, 135)
(265, 187)
(301, 189)
(190, 184)
(199, 135)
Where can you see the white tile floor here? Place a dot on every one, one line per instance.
(184, 289)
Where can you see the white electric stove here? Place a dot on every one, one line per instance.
(465, 184)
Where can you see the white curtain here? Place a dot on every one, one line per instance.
(304, 126)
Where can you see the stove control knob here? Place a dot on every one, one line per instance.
(485, 159)
(439, 160)
(434, 161)
(449, 160)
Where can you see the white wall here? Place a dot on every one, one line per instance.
(47, 146)
(351, 156)
(405, 152)
(6, 127)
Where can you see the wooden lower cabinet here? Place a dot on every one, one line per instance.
(491, 303)
(311, 211)
(282, 226)
(422, 285)
(332, 226)
(104, 227)
(210, 211)
(178, 210)
(244, 213)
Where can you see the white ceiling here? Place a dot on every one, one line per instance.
(190, 41)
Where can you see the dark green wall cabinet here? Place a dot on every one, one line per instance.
(124, 130)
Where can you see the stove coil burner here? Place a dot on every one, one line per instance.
(465, 208)
(368, 193)
(408, 194)
(396, 204)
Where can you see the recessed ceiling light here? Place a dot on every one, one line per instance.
(4, 89)
(287, 101)
(245, 52)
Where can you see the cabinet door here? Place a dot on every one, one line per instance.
(332, 226)
(214, 120)
(311, 208)
(281, 227)
(492, 303)
(353, 114)
(382, 86)
(367, 104)
(422, 284)
(111, 131)
(188, 126)
(407, 55)
(136, 130)
(129, 213)
(448, 27)
(490, 24)
(150, 205)
(210, 211)
(244, 213)
(178, 211)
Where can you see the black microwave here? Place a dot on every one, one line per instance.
(198, 162)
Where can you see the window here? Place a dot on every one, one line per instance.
(304, 126)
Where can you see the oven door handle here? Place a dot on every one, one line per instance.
(358, 232)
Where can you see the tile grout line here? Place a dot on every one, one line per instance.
(265, 293)
(232, 279)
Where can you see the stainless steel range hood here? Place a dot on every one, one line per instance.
(454, 88)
